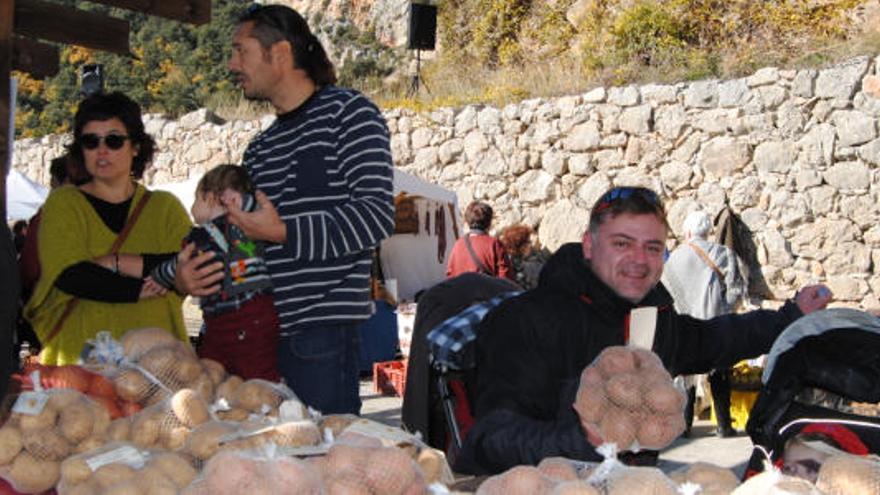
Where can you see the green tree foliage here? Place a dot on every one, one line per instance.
(175, 68)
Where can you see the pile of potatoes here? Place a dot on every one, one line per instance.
(120, 468)
(254, 397)
(558, 476)
(32, 446)
(844, 474)
(158, 372)
(627, 397)
(166, 425)
(240, 472)
(213, 437)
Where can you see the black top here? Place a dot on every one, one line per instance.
(532, 348)
(91, 281)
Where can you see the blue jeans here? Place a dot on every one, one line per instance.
(320, 364)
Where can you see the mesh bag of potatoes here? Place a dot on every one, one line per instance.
(355, 468)
(212, 437)
(354, 431)
(256, 471)
(627, 397)
(123, 468)
(162, 370)
(553, 475)
(708, 479)
(166, 425)
(772, 481)
(45, 427)
(239, 400)
(846, 473)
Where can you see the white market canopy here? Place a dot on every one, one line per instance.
(23, 196)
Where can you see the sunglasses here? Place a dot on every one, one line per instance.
(92, 141)
(625, 193)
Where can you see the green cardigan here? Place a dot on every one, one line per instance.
(71, 232)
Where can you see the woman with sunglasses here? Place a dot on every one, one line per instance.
(98, 239)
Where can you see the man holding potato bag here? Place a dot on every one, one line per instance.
(533, 348)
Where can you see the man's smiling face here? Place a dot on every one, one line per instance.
(626, 253)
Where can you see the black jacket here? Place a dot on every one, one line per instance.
(532, 348)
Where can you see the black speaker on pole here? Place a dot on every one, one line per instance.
(422, 26)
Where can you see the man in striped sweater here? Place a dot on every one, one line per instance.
(324, 174)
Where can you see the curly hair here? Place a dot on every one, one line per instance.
(102, 107)
(516, 239)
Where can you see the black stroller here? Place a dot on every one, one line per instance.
(822, 375)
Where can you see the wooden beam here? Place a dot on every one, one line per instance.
(40, 60)
(192, 11)
(53, 22)
(6, 20)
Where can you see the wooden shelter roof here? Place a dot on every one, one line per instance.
(23, 23)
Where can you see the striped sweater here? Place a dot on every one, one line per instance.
(326, 167)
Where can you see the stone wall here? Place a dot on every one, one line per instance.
(795, 152)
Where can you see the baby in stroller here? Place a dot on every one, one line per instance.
(820, 394)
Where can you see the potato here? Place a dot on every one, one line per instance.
(558, 468)
(89, 444)
(214, 370)
(145, 429)
(296, 434)
(152, 481)
(41, 421)
(75, 470)
(642, 480)
(111, 474)
(624, 389)
(844, 473)
(102, 419)
(204, 441)
(342, 457)
(662, 397)
(138, 341)
(713, 480)
(590, 403)
(176, 467)
(574, 487)
(60, 398)
(391, 471)
(32, 475)
(616, 359)
(254, 394)
(128, 487)
(160, 361)
(130, 384)
(519, 480)
(174, 438)
(46, 445)
(228, 473)
(233, 414)
(337, 422)
(189, 407)
(85, 488)
(346, 482)
(227, 389)
(203, 386)
(119, 430)
(432, 463)
(618, 427)
(188, 369)
(10, 444)
(76, 421)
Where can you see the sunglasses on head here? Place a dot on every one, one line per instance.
(624, 193)
(92, 141)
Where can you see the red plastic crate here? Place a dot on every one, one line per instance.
(389, 377)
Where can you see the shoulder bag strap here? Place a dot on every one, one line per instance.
(480, 266)
(712, 265)
(120, 238)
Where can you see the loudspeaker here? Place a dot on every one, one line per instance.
(422, 26)
(92, 79)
